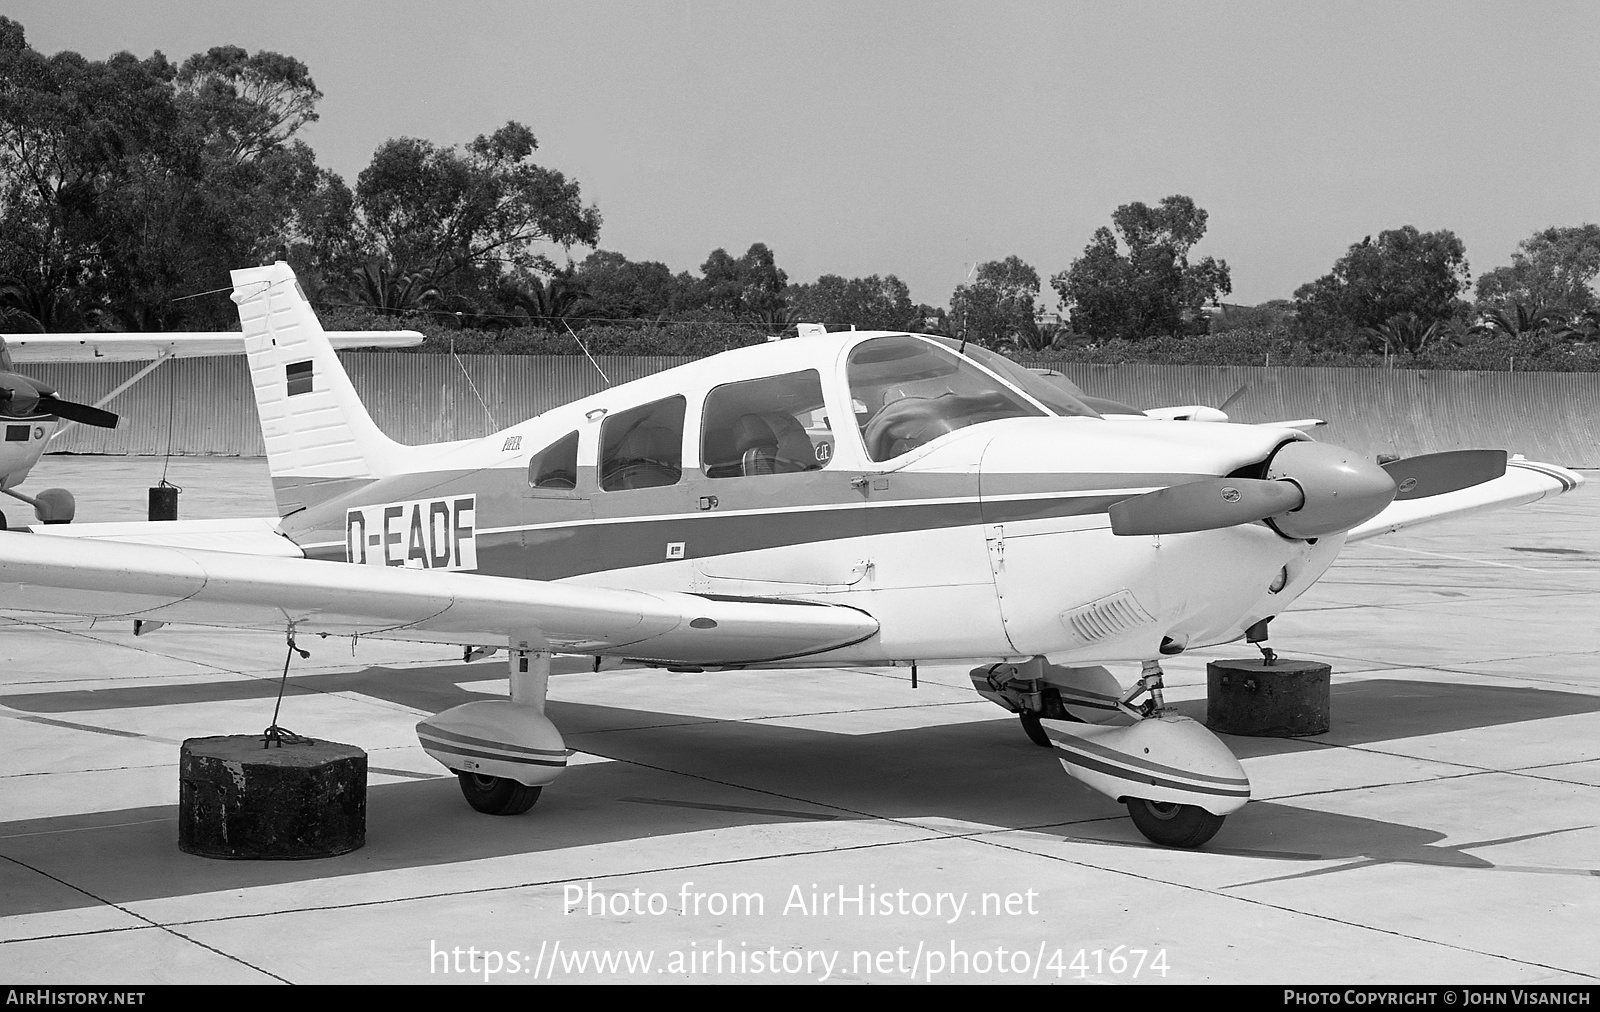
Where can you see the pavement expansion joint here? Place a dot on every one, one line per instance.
(152, 924)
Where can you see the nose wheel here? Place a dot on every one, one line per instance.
(1173, 825)
(497, 795)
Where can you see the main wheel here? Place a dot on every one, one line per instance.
(1034, 729)
(497, 795)
(1173, 825)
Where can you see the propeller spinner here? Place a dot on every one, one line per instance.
(22, 396)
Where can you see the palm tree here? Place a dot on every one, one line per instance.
(1409, 333)
(1522, 320)
(34, 308)
(377, 286)
(776, 317)
(552, 304)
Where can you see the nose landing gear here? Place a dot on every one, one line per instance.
(1173, 825)
(1177, 779)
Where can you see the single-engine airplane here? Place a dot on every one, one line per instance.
(33, 414)
(854, 498)
(30, 411)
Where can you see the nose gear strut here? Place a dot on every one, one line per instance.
(1149, 682)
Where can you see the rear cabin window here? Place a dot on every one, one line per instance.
(772, 425)
(556, 466)
(643, 447)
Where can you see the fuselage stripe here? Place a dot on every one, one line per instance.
(559, 551)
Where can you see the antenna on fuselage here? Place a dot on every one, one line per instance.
(493, 425)
(586, 354)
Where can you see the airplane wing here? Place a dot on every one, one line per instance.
(1525, 481)
(1303, 424)
(143, 347)
(107, 579)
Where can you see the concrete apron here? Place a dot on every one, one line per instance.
(839, 825)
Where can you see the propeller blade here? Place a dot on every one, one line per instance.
(1437, 473)
(84, 414)
(1225, 405)
(1204, 506)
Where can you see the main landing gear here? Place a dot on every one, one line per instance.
(1037, 690)
(503, 751)
(497, 795)
(1035, 730)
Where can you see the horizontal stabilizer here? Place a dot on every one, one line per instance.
(145, 347)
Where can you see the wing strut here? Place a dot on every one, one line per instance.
(102, 402)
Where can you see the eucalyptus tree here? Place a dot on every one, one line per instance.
(464, 219)
(1404, 271)
(1137, 281)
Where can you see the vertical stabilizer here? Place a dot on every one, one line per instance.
(320, 440)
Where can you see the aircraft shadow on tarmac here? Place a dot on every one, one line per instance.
(676, 775)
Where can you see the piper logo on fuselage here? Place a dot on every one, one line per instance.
(419, 534)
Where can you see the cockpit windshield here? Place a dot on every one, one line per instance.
(1051, 395)
(906, 392)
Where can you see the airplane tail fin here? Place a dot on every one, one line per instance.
(320, 440)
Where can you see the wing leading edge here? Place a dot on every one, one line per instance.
(111, 580)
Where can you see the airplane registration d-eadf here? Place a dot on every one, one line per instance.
(834, 499)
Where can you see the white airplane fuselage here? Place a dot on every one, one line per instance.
(989, 542)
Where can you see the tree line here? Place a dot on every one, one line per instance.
(129, 187)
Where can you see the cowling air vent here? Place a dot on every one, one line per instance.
(1110, 616)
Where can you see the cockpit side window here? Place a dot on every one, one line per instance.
(771, 425)
(556, 466)
(907, 391)
(643, 446)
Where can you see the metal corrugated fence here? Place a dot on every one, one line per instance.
(204, 406)
(1550, 416)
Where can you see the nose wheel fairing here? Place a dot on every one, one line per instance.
(1168, 759)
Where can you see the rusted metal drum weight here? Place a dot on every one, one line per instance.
(237, 799)
(1285, 699)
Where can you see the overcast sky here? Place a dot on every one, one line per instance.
(920, 138)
